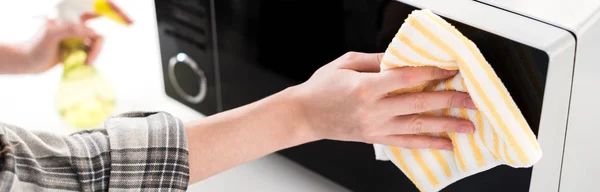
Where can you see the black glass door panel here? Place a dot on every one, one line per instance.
(306, 35)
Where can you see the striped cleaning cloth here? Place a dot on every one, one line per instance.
(501, 136)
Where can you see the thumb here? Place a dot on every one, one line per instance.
(60, 30)
(361, 62)
(64, 29)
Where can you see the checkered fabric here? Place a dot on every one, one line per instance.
(138, 151)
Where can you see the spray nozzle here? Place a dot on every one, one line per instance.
(108, 9)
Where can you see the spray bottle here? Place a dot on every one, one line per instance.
(84, 97)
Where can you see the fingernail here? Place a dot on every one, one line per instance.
(450, 72)
(468, 102)
(465, 129)
(448, 147)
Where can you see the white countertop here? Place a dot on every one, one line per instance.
(133, 68)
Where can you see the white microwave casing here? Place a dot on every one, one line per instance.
(569, 33)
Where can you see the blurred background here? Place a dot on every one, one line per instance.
(129, 59)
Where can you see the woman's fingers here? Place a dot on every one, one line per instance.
(416, 142)
(411, 103)
(405, 77)
(360, 62)
(87, 16)
(416, 124)
(96, 42)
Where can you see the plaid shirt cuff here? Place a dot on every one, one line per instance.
(142, 151)
(148, 151)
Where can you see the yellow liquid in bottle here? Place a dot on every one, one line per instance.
(84, 98)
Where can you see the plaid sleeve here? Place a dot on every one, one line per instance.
(141, 151)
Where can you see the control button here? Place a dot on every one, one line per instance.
(185, 59)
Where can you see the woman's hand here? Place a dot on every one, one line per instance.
(347, 100)
(41, 53)
(43, 50)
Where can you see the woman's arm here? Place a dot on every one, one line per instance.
(344, 100)
(13, 59)
(227, 139)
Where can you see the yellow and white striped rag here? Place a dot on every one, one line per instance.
(502, 136)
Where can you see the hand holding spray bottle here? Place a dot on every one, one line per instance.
(84, 98)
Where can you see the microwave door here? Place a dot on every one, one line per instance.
(536, 69)
(534, 72)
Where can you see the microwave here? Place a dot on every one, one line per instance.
(218, 55)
